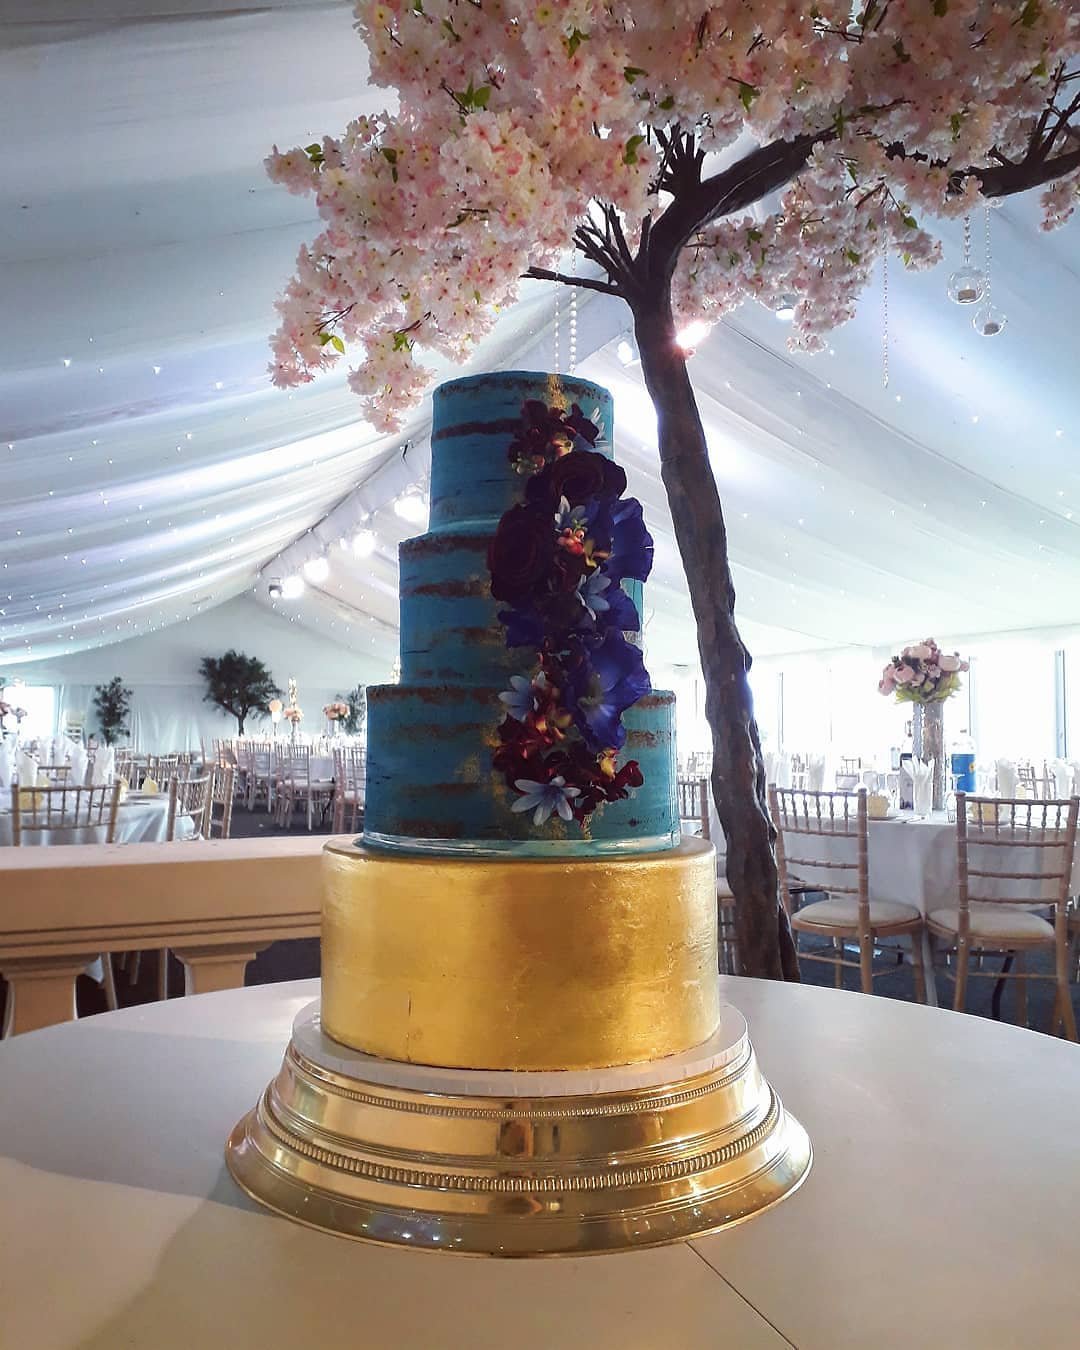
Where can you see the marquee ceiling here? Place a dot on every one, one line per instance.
(150, 471)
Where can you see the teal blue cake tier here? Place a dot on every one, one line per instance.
(431, 786)
(450, 628)
(438, 740)
(473, 422)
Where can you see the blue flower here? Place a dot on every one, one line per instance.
(631, 543)
(607, 604)
(607, 677)
(518, 699)
(546, 798)
(524, 627)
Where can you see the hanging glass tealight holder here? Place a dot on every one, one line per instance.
(966, 285)
(988, 320)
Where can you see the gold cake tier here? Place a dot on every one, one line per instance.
(519, 1164)
(525, 964)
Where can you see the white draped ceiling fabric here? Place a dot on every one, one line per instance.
(150, 472)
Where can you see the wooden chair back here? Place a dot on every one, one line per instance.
(188, 797)
(693, 799)
(64, 808)
(221, 795)
(822, 840)
(1014, 851)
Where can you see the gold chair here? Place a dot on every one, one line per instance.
(830, 832)
(725, 897)
(999, 897)
(349, 778)
(69, 810)
(693, 798)
(188, 797)
(298, 786)
(221, 794)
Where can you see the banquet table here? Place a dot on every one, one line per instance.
(143, 821)
(941, 1208)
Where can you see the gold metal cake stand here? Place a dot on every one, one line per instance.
(505, 1163)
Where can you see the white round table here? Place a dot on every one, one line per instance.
(942, 1209)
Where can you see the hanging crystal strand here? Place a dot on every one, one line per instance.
(558, 324)
(885, 307)
(988, 321)
(573, 319)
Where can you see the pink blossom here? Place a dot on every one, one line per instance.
(904, 674)
(513, 117)
(949, 663)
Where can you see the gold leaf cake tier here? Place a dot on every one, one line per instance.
(486, 963)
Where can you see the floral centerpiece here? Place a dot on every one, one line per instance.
(335, 712)
(926, 676)
(923, 673)
(9, 710)
(558, 560)
(292, 712)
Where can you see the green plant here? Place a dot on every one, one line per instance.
(356, 698)
(112, 704)
(238, 684)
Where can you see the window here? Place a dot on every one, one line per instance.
(39, 700)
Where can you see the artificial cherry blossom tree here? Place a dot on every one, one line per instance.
(698, 155)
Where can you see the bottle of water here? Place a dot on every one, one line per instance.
(962, 762)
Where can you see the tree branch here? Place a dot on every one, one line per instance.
(762, 171)
(1006, 180)
(586, 283)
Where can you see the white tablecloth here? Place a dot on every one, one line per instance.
(124, 1230)
(137, 822)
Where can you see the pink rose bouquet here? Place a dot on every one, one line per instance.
(922, 673)
(334, 712)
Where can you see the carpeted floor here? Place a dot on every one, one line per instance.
(300, 960)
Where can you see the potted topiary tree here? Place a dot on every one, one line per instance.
(238, 684)
(112, 704)
(353, 724)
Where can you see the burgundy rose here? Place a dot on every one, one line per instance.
(577, 477)
(521, 554)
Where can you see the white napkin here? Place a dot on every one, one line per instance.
(815, 773)
(5, 768)
(26, 770)
(770, 758)
(1006, 777)
(783, 770)
(922, 780)
(1074, 764)
(104, 761)
(78, 763)
(1062, 776)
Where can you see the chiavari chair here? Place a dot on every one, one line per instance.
(62, 810)
(298, 785)
(1014, 867)
(822, 840)
(348, 786)
(221, 795)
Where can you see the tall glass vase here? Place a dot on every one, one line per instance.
(928, 735)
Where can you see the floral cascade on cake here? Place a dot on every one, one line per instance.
(559, 559)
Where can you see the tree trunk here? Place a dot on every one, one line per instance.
(738, 775)
(239, 722)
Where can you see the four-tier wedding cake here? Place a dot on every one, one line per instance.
(520, 1047)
